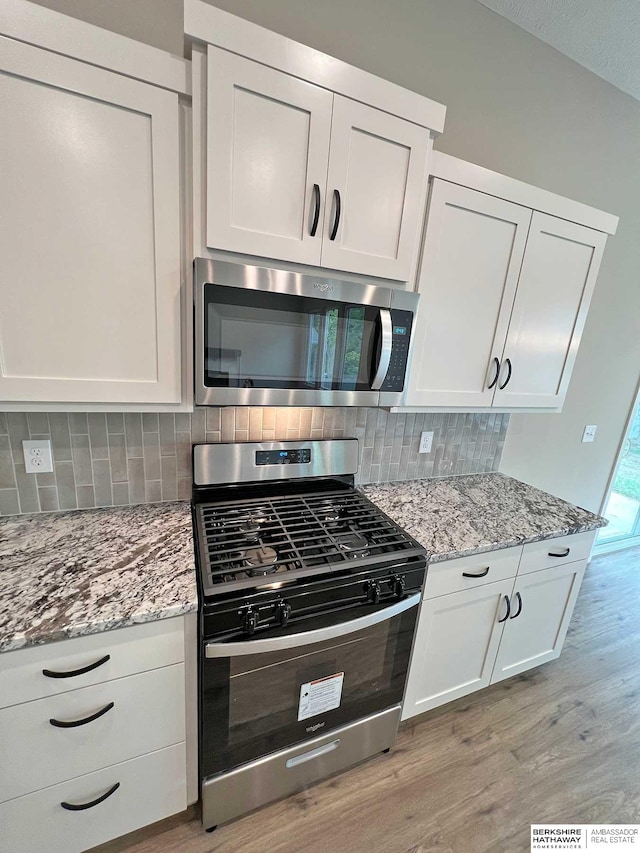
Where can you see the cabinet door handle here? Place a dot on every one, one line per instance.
(508, 379)
(481, 574)
(73, 672)
(508, 613)
(336, 221)
(495, 378)
(72, 807)
(519, 597)
(316, 212)
(564, 553)
(71, 724)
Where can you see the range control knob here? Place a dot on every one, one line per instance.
(373, 592)
(398, 585)
(250, 622)
(283, 612)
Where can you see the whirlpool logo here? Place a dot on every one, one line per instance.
(323, 287)
(315, 728)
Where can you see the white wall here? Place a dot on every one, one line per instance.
(514, 105)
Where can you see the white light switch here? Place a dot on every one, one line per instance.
(589, 433)
(37, 456)
(426, 440)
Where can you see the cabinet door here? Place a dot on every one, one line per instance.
(89, 234)
(267, 149)
(455, 646)
(558, 275)
(473, 251)
(536, 630)
(376, 190)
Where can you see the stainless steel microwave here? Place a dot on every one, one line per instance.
(267, 337)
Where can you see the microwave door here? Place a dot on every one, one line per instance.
(321, 348)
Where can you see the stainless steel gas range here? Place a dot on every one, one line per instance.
(308, 602)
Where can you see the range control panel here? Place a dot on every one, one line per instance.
(283, 457)
(401, 334)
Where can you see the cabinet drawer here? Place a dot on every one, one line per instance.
(134, 649)
(449, 576)
(150, 788)
(556, 552)
(148, 713)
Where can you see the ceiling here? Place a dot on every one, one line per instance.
(602, 35)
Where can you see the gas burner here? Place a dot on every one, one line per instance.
(261, 561)
(355, 544)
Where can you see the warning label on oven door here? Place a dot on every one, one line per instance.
(320, 695)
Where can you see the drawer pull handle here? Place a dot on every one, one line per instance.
(564, 553)
(481, 574)
(71, 724)
(519, 597)
(80, 807)
(508, 613)
(73, 672)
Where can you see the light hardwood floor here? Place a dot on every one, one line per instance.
(558, 744)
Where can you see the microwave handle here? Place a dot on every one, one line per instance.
(385, 349)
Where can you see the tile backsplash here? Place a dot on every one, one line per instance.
(118, 459)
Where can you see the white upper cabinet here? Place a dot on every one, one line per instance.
(267, 150)
(376, 190)
(297, 173)
(90, 277)
(473, 251)
(505, 290)
(556, 283)
(300, 158)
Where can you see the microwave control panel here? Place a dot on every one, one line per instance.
(400, 336)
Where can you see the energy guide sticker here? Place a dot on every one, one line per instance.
(321, 695)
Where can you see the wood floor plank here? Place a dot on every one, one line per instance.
(558, 744)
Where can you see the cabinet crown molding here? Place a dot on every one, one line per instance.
(476, 177)
(36, 25)
(206, 23)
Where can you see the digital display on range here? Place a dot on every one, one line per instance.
(283, 457)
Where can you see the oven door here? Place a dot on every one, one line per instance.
(258, 696)
(271, 337)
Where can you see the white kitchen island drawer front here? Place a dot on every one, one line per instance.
(150, 788)
(133, 649)
(556, 552)
(144, 713)
(469, 572)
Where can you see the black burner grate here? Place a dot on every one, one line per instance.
(321, 530)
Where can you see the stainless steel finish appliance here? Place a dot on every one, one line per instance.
(308, 601)
(268, 337)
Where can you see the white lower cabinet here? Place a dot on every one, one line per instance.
(92, 738)
(543, 603)
(455, 646)
(149, 788)
(468, 638)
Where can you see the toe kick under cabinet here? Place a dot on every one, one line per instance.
(488, 617)
(92, 737)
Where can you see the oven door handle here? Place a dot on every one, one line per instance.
(385, 349)
(276, 644)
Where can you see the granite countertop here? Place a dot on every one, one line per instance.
(459, 516)
(66, 574)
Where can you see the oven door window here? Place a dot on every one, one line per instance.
(273, 340)
(255, 704)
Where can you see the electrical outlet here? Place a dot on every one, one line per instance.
(37, 456)
(426, 440)
(589, 433)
